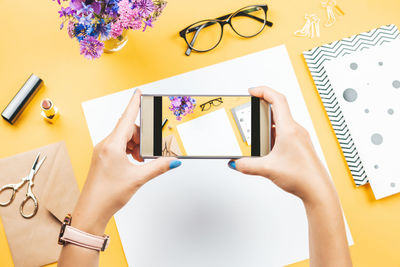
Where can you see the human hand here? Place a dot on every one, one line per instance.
(293, 164)
(112, 178)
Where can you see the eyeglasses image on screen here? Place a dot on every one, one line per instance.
(213, 102)
(204, 126)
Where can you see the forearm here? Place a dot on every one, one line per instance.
(83, 218)
(72, 255)
(327, 234)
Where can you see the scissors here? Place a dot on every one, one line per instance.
(29, 195)
(167, 152)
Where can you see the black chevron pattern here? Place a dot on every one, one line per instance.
(315, 59)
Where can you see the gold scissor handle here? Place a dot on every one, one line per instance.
(29, 196)
(8, 187)
(21, 208)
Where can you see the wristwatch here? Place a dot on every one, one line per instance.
(69, 234)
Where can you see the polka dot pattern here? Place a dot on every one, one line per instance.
(350, 95)
(377, 139)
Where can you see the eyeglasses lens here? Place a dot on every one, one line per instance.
(204, 35)
(249, 21)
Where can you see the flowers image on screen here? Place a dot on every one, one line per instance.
(181, 106)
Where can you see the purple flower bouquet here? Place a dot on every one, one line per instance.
(182, 105)
(92, 22)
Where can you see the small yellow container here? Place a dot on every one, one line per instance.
(49, 111)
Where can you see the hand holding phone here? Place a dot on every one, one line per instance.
(292, 164)
(113, 178)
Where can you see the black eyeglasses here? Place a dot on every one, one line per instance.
(214, 102)
(205, 35)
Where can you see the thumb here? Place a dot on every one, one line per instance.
(158, 166)
(252, 166)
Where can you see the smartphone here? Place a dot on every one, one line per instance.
(204, 126)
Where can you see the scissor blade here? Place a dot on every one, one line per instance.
(36, 161)
(37, 167)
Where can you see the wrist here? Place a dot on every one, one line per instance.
(87, 225)
(85, 218)
(322, 197)
(319, 188)
(91, 213)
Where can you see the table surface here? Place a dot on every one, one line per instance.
(32, 43)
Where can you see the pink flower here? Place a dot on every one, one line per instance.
(129, 17)
(96, 7)
(116, 29)
(76, 4)
(91, 48)
(126, 13)
(71, 29)
(135, 24)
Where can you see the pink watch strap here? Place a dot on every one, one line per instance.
(83, 239)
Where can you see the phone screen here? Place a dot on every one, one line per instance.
(209, 126)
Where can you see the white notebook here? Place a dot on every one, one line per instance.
(358, 79)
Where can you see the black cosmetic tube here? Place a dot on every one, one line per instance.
(22, 99)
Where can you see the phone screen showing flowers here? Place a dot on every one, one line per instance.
(206, 126)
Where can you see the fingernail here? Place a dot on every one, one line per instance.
(232, 165)
(175, 164)
(251, 88)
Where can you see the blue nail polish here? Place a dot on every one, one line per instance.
(232, 165)
(175, 164)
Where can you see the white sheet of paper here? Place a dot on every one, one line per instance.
(209, 135)
(371, 81)
(203, 213)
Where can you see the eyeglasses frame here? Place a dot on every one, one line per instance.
(222, 21)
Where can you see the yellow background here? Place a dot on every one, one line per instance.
(228, 104)
(31, 42)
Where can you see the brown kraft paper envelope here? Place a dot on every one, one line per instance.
(33, 242)
(170, 146)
